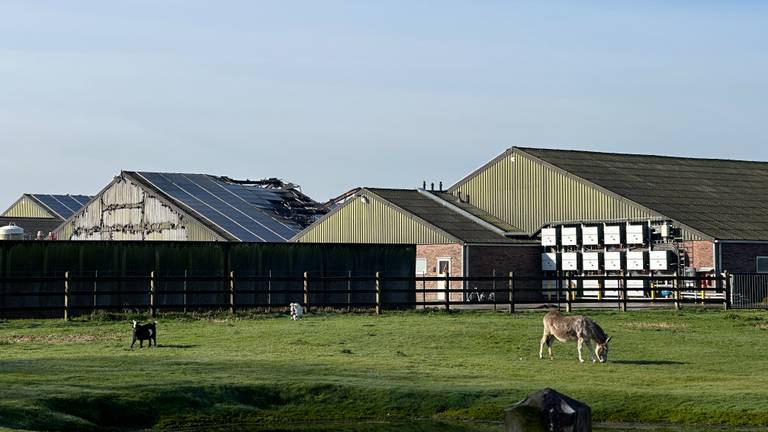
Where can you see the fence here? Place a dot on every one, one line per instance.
(71, 294)
(750, 291)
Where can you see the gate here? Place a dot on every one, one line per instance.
(749, 291)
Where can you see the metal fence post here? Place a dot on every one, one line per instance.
(306, 291)
(66, 296)
(511, 292)
(447, 290)
(269, 292)
(568, 305)
(152, 286)
(232, 292)
(678, 284)
(727, 301)
(378, 293)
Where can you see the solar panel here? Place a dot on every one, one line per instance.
(213, 201)
(216, 194)
(179, 192)
(55, 205)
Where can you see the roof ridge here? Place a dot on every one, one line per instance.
(642, 155)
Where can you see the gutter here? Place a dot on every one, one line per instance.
(466, 214)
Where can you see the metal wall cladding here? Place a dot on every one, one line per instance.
(373, 222)
(25, 207)
(528, 194)
(126, 211)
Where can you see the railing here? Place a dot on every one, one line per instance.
(83, 293)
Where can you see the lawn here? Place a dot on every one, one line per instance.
(690, 367)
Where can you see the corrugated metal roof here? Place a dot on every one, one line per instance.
(443, 217)
(260, 211)
(724, 199)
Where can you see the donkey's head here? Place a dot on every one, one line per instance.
(601, 350)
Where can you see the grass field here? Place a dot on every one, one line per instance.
(690, 368)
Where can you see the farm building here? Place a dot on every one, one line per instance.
(451, 236)
(693, 215)
(41, 212)
(176, 206)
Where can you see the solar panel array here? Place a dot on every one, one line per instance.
(244, 211)
(63, 206)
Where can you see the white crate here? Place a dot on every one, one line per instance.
(570, 261)
(611, 289)
(591, 261)
(613, 261)
(549, 261)
(590, 287)
(549, 236)
(569, 236)
(636, 260)
(612, 234)
(660, 260)
(590, 236)
(636, 288)
(636, 234)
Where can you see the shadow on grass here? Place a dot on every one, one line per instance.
(648, 362)
(177, 346)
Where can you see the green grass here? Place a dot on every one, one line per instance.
(691, 367)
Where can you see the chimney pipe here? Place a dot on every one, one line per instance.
(424, 185)
(441, 186)
(432, 186)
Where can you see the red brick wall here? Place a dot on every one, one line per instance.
(741, 257)
(522, 260)
(700, 253)
(432, 252)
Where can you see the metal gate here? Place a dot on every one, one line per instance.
(749, 291)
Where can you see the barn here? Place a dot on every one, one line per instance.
(692, 215)
(138, 205)
(41, 213)
(451, 236)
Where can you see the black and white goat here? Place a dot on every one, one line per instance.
(144, 332)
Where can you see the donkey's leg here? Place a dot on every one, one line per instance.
(550, 341)
(541, 346)
(591, 350)
(578, 348)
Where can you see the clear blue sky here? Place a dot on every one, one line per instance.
(337, 94)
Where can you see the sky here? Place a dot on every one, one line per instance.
(333, 95)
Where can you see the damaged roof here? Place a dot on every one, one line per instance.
(269, 210)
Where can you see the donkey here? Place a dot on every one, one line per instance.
(579, 327)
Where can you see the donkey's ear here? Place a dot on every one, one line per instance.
(608, 340)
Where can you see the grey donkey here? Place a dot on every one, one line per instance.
(578, 327)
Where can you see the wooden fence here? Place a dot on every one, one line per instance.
(86, 293)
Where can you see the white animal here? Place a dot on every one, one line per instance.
(578, 327)
(297, 310)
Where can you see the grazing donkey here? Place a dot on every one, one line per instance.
(144, 332)
(578, 327)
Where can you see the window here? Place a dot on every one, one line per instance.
(421, 266)
(762, 264)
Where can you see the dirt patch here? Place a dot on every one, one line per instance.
(59, 339)
(661, 325)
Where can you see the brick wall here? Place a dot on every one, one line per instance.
(700, 253)
(432, 252)
(741, 257)
(522, 260)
